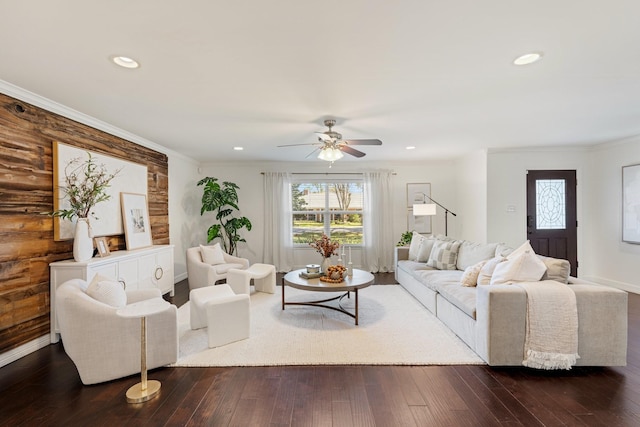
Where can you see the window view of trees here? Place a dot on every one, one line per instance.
(332, 208)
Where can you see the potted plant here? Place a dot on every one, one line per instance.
(223, 200)
(405, 238)
(85, 185)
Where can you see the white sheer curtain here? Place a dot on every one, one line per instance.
(278, 248)
(378, 222)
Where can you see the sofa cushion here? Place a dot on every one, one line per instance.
(462, 297)
(557, 269)
(444, 255)
(525, 267)
(411, 266)
(433, 278)
(212, 254)
(470, 275)
(471, 253)
(484, 278)
(223, 268)
(525, 247)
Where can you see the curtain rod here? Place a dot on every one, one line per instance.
(327, 173)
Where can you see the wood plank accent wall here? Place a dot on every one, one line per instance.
(26, 189)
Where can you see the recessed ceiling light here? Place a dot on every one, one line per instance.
(238, 148)
(125, 61)
(528, 58)
(411, 147)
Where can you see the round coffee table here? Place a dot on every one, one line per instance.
(360, 279)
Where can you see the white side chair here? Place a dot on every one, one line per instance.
(263, 275)
(105, 346)
(202, 274)
(226, 315)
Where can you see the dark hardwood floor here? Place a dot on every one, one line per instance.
(43, 389)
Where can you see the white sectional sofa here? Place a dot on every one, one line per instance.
(491, 318)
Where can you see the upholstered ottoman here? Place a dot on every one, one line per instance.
(225, 314)
(263, 275)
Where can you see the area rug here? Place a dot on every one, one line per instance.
(394, 329)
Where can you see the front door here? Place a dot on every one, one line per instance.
(552, 225)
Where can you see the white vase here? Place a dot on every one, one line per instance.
(324, 265)
(82, 241)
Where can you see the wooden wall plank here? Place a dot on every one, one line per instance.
(26, 192)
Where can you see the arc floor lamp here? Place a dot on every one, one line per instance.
(424, 208)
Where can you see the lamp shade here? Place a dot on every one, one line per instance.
(424, 209)
(330, 154)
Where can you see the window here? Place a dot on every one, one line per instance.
(332, 207)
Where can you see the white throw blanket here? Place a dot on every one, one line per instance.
(551, 340)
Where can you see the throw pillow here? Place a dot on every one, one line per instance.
(525, 247)
(471, 253)
(557, 269)
(425, 249)
(414, 246)
(444, 255)
(107, 291)
(212, 254)
(470, 275)
(526, 267)
(484, 277)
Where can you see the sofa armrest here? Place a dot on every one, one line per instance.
(230, 259)
(400, 253)
(500, 324)
(136, 295)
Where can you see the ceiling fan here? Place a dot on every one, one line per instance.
(332, 146)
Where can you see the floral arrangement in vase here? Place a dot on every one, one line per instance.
(86, 184)
(325, 247)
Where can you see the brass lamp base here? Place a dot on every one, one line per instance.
(135, 394)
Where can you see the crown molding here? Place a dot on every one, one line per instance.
(24, 95)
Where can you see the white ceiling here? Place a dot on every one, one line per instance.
(434, 74)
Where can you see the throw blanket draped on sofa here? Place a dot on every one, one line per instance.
(551, 340)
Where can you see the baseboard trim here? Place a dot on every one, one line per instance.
(180, 277)
(25, 349)
(614, 284)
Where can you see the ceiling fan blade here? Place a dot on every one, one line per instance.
(363, 141)
(311, 153)
(323, 136)
(351, 151)
(296, 145)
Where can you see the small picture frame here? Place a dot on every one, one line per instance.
(135, 218)
(102, 245)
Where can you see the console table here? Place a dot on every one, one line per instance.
(150, 267)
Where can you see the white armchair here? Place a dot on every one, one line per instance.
(105, 346)
(202, 274)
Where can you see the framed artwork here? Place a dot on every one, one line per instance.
(415, 195)
(135, 217)
(419, 224)
(631, 204)
(132, 177)
(102, 245)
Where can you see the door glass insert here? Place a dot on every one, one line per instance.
(550, 204)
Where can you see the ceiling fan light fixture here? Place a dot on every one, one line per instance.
(330, 154)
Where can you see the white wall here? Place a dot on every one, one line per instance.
(184, 209)
(608, 259)
(248, 177)
(507, 191)
(471, 185)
